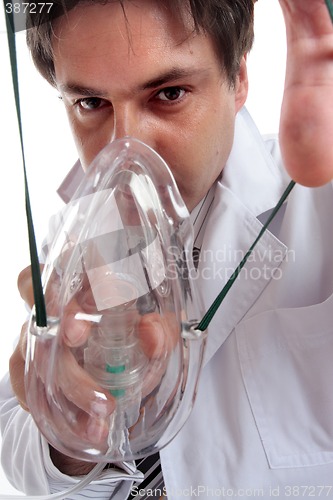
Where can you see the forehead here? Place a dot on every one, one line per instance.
(113, 40)
(133, 21)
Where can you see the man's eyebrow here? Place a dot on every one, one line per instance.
(172, 75)
(74, 89)
(162, 79)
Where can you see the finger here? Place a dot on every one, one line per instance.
(65, 379)
(64, 394)
(24, 283)
(77, 324)
(17, 369)
(306, 122)
(51, 409)
(76, 330)
(306, 19)
(93, 404)
(158, 334)
(152, 335)
(88, 428)
(153, 376)
(80, 389)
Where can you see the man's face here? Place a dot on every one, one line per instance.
(150, 78)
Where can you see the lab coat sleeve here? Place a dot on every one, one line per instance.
(27, 464)
(21, 450)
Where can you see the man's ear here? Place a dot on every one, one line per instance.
(241, 84)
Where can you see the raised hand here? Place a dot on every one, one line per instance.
(306, 127)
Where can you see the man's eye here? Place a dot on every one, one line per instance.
(91, 103)
(171, 94)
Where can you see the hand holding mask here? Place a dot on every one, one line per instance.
(113, 375)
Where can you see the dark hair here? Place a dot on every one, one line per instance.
(228, 22)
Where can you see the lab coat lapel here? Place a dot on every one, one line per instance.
(231, 229)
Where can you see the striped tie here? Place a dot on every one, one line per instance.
(152, 485)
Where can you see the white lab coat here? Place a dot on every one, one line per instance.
(262, 423)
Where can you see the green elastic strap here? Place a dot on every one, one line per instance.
(219, 299)
(40, 309)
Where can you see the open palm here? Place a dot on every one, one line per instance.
(306, 127)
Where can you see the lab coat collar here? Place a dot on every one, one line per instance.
(251, 172)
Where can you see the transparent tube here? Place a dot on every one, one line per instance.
(113, 377)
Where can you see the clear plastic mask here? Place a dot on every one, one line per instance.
(118, 274)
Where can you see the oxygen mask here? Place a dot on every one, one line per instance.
(113, 375)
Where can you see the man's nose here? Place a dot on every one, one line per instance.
(129, 121)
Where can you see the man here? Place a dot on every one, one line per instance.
(176, 79)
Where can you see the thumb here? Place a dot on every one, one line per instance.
(24, 283)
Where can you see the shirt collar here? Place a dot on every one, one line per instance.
(199, 216)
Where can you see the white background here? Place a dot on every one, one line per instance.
(50, 152)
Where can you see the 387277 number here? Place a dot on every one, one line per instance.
(28, 7)
(308, 491)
